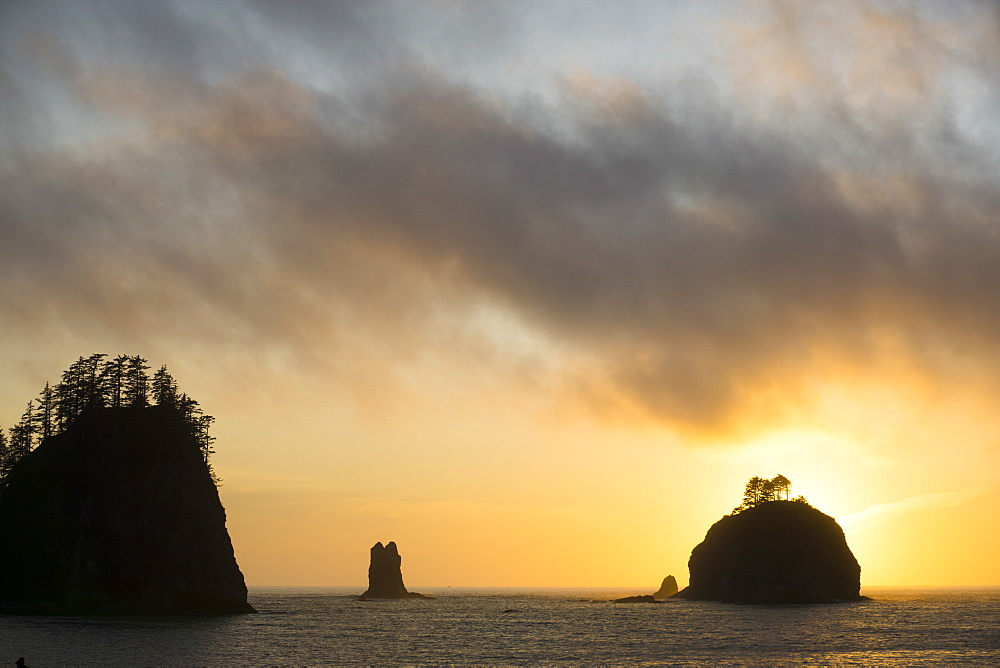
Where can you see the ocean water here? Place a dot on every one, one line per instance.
(317, 626)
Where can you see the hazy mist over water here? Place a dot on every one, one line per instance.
(314, 626)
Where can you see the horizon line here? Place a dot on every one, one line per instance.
(550, 587)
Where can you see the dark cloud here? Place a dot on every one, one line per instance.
(696, 257)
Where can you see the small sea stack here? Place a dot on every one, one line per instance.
(667, 588)
(385, 575)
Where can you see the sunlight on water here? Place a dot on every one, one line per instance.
(313, 626)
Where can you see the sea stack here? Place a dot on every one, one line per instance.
(776, 552)
(118, 514)
(667, 588)
(385, 575)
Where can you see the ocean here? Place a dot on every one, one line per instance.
(329, 626)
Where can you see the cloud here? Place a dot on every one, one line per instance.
(691, 261)
(883, 512)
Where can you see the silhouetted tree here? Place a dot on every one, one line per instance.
(780, 485)
(22, 435)
(199, 424)
(137, 382)
(82, 388)
(68, 403)
(205, 441)
(754, 492)
(164, 388)
(45, 416)
(91, 383)
(188, 407)
(761, 490)
(6, 456)
(92, 388)
(114, 374)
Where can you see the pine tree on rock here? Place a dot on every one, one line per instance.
(94, 383)
(137, 382)
(6, 456)
(114, 373)
(45, 416)
(22, 435)
(761, 490)
(92, 390)
(164, 388)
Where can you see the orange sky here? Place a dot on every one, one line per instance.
(531, 290)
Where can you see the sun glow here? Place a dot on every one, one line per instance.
(822, 466)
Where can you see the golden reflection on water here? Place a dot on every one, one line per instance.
(299, 626)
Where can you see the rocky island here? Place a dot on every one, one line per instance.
(116, 510)
(385, 575)
(774, 551)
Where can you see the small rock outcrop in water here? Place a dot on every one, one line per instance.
(385, 576)
(645, 598)
(117, 514)
(667, 589)
(775, 552)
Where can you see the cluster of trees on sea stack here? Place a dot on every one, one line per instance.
(761, 490)
(95, 383)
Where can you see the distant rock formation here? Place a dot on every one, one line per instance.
(776, 552)
(667, 588)
(118, 514)
(385, 576)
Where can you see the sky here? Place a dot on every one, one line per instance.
(531, 289)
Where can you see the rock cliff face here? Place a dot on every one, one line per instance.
(385, 575)
(777, 552)
(118, 514)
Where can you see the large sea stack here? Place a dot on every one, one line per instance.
(776, 552)
(117, 514)
(385, 574)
